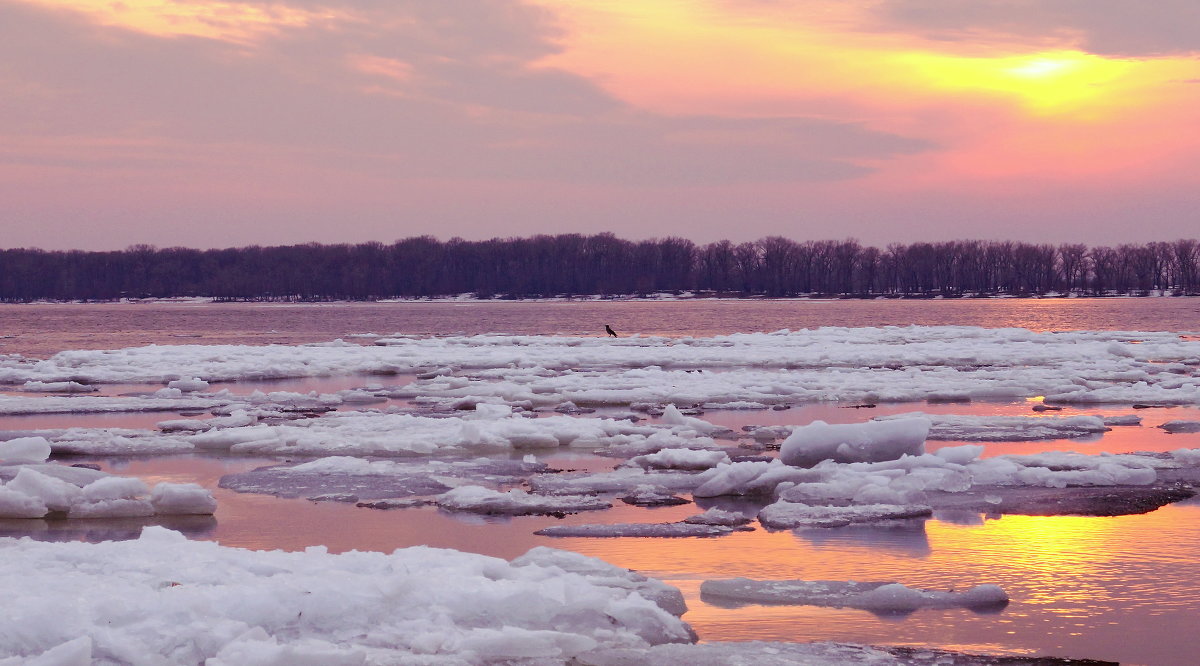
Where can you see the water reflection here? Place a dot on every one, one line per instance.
(906, 537)
(104, 529)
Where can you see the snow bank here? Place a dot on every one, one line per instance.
(189, 601)
(877, 597)
(855, 442)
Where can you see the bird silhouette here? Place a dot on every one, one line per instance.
(609, 330)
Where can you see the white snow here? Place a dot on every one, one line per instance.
(178, 601)
(872, 441)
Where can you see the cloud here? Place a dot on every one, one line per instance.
(408, 89)
(1120, 28)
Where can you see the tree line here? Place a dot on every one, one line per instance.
(601, 264)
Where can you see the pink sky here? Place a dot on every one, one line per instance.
(214, 124)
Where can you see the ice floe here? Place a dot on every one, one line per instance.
(879, 597)
(198, 602)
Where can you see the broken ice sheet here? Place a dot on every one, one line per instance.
(879, 597)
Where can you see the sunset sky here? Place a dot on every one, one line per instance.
(215, 124)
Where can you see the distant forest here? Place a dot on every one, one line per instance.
(602, 264)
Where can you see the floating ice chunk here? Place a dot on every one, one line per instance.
(183, 425)
(617, 481)
(1123, 420)
(1180, 426)
(24, 450)
(188, 385)
(960, 455)
(114, 487)
(636, 530)
(750, 478)
(56, 494)
(88, 404)
(649, 495)
(681, 459)
(360, 397)
(58, 387)
(975, 428)
(672, 416)
(104, 441)
(344, 477)
(872, 441)
(478, 499)
(788, 515)
(182, 499)
(715, 516)
(873, 596)
(113, 508)
(15, 504)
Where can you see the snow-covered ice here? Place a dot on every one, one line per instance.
(165, 598)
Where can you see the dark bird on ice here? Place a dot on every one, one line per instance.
(608, 329)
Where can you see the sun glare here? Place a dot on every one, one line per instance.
(1045, 83)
